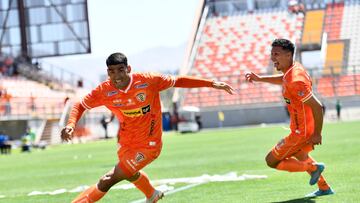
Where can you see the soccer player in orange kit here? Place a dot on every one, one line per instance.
(306, 117)
(134, 99)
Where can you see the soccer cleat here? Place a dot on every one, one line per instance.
(320, 193)
(316, 174)
(155, 197)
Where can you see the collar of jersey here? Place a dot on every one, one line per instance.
(291, 67)
(129, 85)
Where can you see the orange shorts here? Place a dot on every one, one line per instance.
(290, 145)
(133, 160)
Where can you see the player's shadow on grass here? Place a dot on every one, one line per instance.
(299, 200)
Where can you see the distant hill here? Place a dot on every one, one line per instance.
(159, 59)
(93, 68)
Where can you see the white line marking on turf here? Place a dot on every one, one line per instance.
(232, 176)
(171, 192)
(163, 183)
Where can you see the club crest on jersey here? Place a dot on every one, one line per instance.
(139, 157)
(112, 93)
(141, 86)
(287, 100)
(141, 97)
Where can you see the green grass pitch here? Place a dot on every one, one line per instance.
(218, 151)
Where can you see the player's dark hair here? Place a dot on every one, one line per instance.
(116, 58)
(284, 44)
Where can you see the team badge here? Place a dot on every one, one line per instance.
(141, 97)
(139, 157)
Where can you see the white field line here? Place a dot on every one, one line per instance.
(163, 184)
(171, 191)
(195, 181)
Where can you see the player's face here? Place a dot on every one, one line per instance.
(119, 75)
(282, 59)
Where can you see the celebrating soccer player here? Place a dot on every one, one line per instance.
(134, 99)
(306, 117)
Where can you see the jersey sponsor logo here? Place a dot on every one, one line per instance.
(141, 97)
(136, 112)
(141, 86)
(152, 125)
(130, 102)
(117, 102)
(287, 100)
(145, 109)
(139, 157)
(112, 93)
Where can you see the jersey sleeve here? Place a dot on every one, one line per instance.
(162, 81)
(301, 91)
(93, 99)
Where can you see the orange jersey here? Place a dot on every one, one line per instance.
(137, 107)
(297, 89)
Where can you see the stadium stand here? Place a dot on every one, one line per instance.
(313, 27)
(350, 30)
(333, 20)
(26, 93)
(232, 43)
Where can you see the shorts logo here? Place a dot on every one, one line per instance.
(139, 157)
(136, 112)
(287, 100)
(112, 93)
(141, 97)
(279, 144)
(141, 86)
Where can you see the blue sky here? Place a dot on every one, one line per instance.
(130, 27)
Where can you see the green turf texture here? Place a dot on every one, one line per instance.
(216, 151)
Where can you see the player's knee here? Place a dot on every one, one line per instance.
(270, 162)
(106, 182)
(134, 177)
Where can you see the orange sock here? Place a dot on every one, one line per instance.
(294, 165)
(322, 184)
(143, 184)
(90, 195)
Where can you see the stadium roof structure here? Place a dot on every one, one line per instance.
(44, 28)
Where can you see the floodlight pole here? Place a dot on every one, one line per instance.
(22, 23)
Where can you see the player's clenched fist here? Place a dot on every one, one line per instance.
(67, 133)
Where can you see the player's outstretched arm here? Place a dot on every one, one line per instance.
(223, 86)
(193, 82)
(75, 115)
(273, 79)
